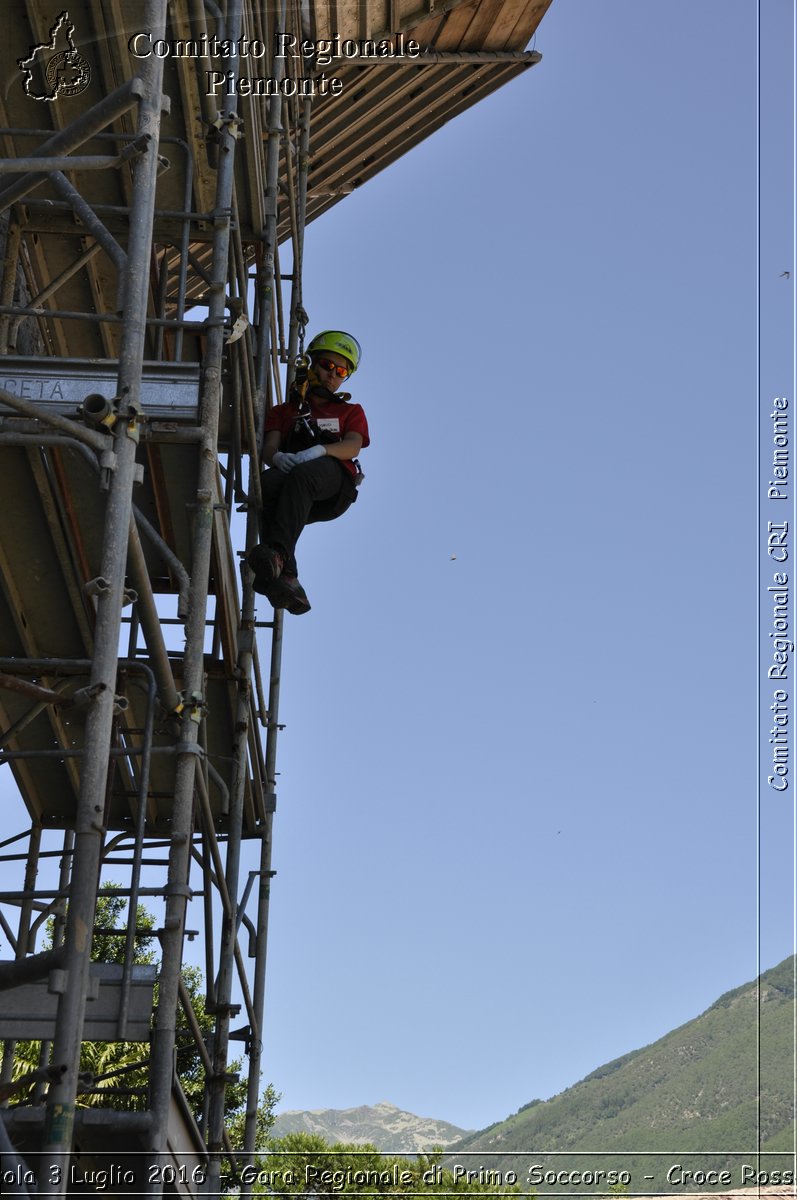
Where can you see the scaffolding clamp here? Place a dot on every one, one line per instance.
(99, 586)
(136, 148)
(234, 123)
(178, 889)
(246, 642)
(85, 695)
(133, 417)
(194, 706)
(227, 1010)
(244, 1034)
(57, 982)
(99, 411)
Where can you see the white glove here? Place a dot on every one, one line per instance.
(283, 462)
(304, 456)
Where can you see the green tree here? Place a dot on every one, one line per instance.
(304, 1164)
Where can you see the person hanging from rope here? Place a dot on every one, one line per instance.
(310, 449)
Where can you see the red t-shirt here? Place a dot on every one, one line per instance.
(332, 416)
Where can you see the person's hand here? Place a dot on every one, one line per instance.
(308, 455)
(284, 462)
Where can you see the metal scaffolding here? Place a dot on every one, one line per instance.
(123, 468)
(144, 323)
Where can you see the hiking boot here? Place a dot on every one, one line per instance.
(266, 563)
(288, 593)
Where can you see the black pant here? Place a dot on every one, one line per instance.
(319, 490)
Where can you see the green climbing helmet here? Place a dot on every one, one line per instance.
(339, 343)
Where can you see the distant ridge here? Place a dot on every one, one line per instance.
(390, 1129)
(694, 1090)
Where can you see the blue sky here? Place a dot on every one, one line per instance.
(518, 814)
(516, 833)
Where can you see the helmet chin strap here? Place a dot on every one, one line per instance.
(307, 380)
(320, 390)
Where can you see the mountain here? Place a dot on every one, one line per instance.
(692, 1097)
(390, 1129)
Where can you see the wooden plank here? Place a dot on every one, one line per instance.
(349, 18)
(390, 113)
(456, 26)
(482, 25)
(526, 25)
(426, 32)
(500, 36)
(400, 136)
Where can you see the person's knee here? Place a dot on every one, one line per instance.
(306, 480)
(271, 484)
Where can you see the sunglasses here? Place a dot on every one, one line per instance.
(326, 365)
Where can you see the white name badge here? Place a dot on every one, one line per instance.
(329, 424)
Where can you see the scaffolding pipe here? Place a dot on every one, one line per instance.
(266, 315)
(210, 956)
(31, 968)
(11, 683)
(10, 262)
(97, 441)
(298, 315)
(263, 902)
(265, 293)
(77, 265)
(22, 943)
(148, 530)
(97, 318)
(86, 214)
(138, 845)
(187, 776)
(128, 1124)
(182, 284)
(61, 1104)
(213, 846)
(64, 870)
(66, 162)
(147, 611)
(172, 561)
(12, 941)
(150, 620)
(79, 131)
(229, 932)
